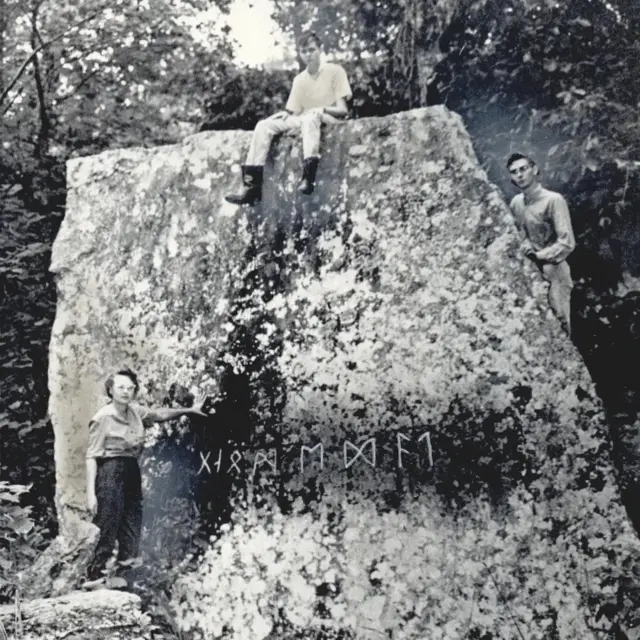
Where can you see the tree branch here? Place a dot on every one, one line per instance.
(13, 99)
(39, 48)
(73, 91)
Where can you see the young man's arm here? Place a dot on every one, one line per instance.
(337, 110)
(565, 242)
(341, 92)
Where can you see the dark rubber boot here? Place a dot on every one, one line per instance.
(308, 182)
(252, 186)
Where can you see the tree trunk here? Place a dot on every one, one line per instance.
(44, 129)
(3, 28)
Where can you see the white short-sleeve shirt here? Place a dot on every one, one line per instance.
(322, 90)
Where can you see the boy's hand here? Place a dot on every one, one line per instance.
(281, 115)
(527, 249)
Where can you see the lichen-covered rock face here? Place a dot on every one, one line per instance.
(412, 446)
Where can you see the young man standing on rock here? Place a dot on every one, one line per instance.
(318, 94)
(544, 218)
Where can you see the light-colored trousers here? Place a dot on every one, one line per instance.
(309, 124)
(560, 285)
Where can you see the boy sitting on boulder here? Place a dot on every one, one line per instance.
(318, 94)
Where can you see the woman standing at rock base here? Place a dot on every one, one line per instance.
(114, 485)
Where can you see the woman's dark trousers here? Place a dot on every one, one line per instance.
(119, 516)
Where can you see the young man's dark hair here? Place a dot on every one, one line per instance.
(108, 385)
(306, 37)
(519, 156)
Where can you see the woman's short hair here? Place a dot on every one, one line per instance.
(108, 385)
(306, 37)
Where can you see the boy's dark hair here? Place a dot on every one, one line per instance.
(306, 37)
(108, 385)
(519, 156)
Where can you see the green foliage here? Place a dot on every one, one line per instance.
(30, 218)
(245, 97)
(399, 37)
(249, 95)
(21, 537)
(120, 78)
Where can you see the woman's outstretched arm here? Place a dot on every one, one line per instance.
(162, 414)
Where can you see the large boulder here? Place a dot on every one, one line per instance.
(412, 447)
